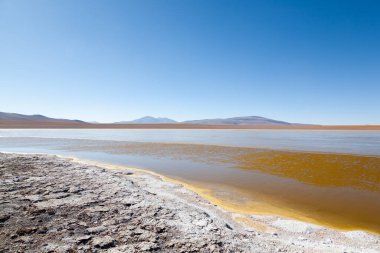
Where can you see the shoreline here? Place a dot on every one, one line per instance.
(4, 124)
(242, 212)
(258, 233)
(246, 202)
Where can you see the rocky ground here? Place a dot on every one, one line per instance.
(53, 204)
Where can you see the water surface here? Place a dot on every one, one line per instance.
(250, 171)
(355, 142)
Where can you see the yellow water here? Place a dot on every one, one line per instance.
(335, 190)
(327, 170)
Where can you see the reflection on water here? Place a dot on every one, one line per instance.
(338, 190)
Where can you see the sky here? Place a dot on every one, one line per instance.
(315, 61)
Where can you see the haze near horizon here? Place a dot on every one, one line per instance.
(313, 62)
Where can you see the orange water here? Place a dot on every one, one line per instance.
(336, 190)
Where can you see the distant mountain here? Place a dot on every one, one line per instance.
(148, 120)
(248, 120)
(15, 117)
(21, 119)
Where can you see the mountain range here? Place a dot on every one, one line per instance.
(15, 117)
(20, 121)
(248, 120)
(148, 120)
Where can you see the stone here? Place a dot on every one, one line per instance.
(104, 242)
(83, 239)
(148, 246)
(228, 226)
(4, 217)
(34, 198)
(26, 231)
(74, 189)
(202, 223)
(96, 230)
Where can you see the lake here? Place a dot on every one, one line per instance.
(326, 177)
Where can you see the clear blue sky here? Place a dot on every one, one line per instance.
(314, 61)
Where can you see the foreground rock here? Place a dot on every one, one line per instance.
(51, 204)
